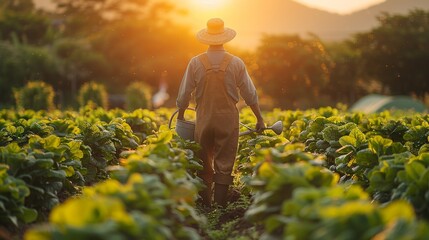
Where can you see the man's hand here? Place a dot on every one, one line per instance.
(260, 126)
(181, 114)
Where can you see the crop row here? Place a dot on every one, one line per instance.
(46, 157)
(151, 195)
(329, 175)
(339, 175)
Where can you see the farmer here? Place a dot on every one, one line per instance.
(217, 77)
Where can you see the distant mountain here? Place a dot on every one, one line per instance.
(366, 19)
(287, 16)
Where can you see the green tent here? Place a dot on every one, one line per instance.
(377, 103)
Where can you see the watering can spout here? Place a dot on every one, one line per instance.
(277, 127)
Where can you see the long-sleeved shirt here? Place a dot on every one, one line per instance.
(237, 80)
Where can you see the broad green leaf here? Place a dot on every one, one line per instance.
(331, 133)
(28, 215)
(417, 133)
(415, 170)
(358, 136)
(396, 148)
(424, 148)
(397, 210)
(318, 124)
(38, 234)
(69, 171)
(59, 174)
(345, 158)
(378, 144)
(366, 158)
(348, 140)
(52, 141)
(75, 149)
(11, 129)
(43, 163)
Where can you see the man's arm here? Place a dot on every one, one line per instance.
(260, 125)
(186, 87)
(248, 92)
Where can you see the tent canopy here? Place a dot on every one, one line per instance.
(377, 103)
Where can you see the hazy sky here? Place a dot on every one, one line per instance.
(340, 6)
(337, 6)
(201, 10)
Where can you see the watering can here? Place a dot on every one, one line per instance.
(185, 129)
(277, 127)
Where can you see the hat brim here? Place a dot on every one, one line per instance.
(216, 39)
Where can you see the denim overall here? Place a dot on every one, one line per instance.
(217, 126)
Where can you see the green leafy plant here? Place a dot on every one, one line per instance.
(13, 192)
(151, 196)
(93, 93)
(138, 95)
(35, 95)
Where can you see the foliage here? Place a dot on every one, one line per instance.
(53, 154)
(46, 165)
(13, 192)
(291, 68)
(135, 38)
(345, 83)
(395, 52)
(19, 63)
(36, 95)
(138, 95)
(20, 22)
(151, 196)
(78, 62)
(94, 94)
(296, 196)
(330, 174)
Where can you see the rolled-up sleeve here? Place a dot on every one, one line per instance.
(246, 87)
(187, 86)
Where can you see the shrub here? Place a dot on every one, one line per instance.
(93, 93)
(35, 95)
(138, 95)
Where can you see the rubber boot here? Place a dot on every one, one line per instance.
(206, 195)
(221, 194)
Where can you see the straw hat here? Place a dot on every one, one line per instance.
(215, 33)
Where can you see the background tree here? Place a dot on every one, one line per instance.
(397, 52)
(292, 70)
(346, 84)
(22, 64)
(78, 62)
(136, 37)
(19, 21)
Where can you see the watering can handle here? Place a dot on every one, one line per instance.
(174, 114)
(247, 132)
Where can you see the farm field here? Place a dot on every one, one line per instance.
(112, 174)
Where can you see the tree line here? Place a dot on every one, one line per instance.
(120, 42)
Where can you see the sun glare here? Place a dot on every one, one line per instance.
(208, 3)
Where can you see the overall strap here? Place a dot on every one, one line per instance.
(222, 66)
(205, 61)
(226, 60)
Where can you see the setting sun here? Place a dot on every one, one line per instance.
(208, 3)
